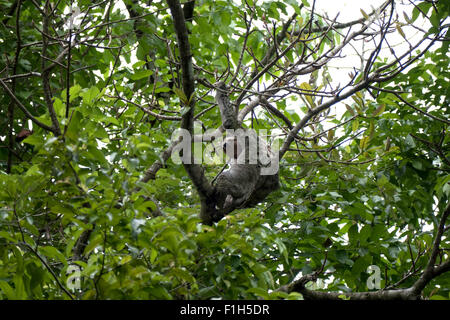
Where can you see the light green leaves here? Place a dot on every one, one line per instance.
(141, 74)
(308, 93)
(90, 95)
(187, 102)
(379, 110)
(365, 15)
(53, 253)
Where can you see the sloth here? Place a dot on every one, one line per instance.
(250, 177)
(243, 185)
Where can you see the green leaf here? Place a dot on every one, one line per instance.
(74, 92)
(379, 110)
(73, 129)
(93, 243)
(400, 30)
(34, 140)
(60, 107)
(153, 255)
(363, 143)
(360, 265)
(7, 290)
(365, 233)
(89, 95)
(405, 15)
(353, 234)
(141, 74)
(7, 236)
(139, 64)
(180, 93)
(308, 93)
(53, 253)
(283, 250)
(365, 15)
(352, 112)
(259, 292)
(355, 125)
(409, 142)
(438, 297)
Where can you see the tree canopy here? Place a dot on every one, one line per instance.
(93, 204)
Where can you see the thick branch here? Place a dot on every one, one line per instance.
(194, 171)
(430, 271)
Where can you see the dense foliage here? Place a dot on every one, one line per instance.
(364, 182)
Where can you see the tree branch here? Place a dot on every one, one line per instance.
(13, 88)
(195, 171)
(24, 109)
(36, 253)
(430, 271)
(46, 72)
